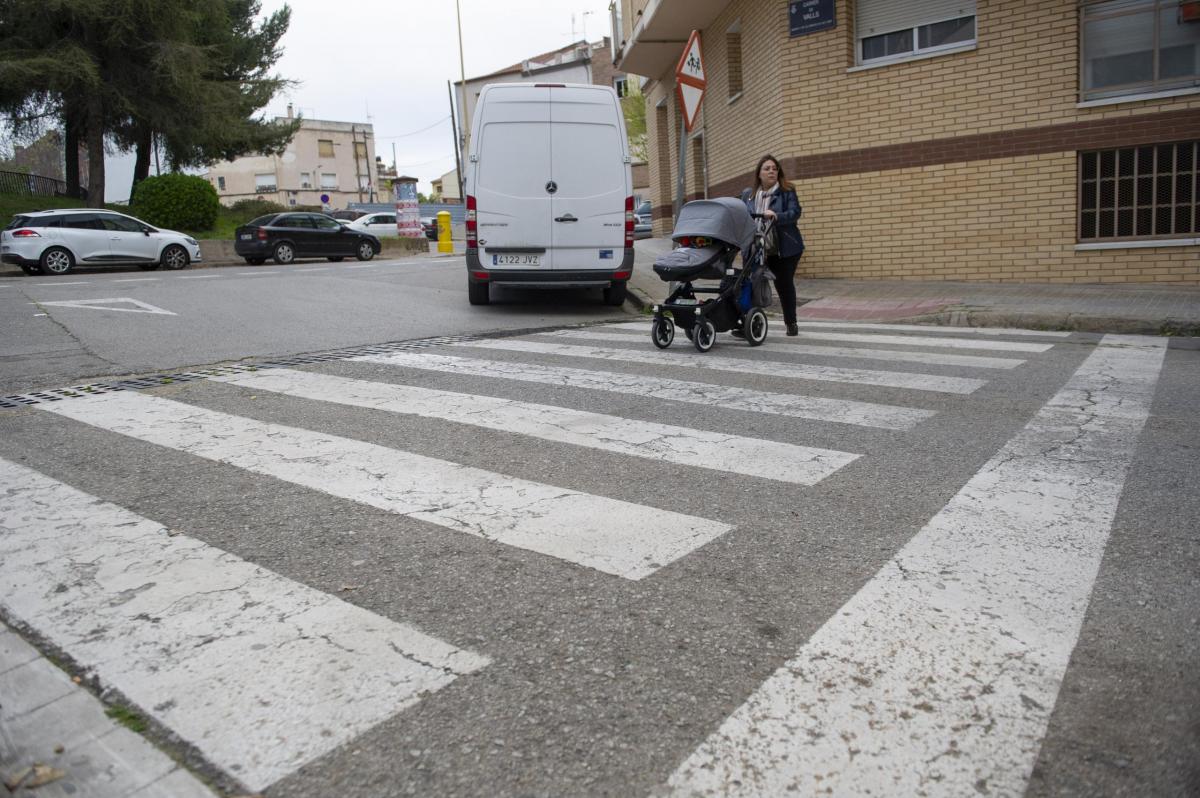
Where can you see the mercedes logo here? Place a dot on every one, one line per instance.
(551, 187)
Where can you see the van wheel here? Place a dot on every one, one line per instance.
(614, 294)
(479, 293)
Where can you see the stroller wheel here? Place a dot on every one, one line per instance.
(705, 335)
(754, 327)
(662, 332)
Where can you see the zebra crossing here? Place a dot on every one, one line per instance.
(265, 675)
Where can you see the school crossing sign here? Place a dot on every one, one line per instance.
(690, 81)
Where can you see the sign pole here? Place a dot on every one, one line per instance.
(680, 175)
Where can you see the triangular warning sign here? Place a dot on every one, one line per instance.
(691, 66)
(689, 101)
(107, 304)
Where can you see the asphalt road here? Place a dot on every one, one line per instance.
(860, 561)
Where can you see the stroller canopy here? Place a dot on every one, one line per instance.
(723, 218)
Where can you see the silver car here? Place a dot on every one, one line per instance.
(54, 242)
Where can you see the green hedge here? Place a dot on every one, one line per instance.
(177, 201)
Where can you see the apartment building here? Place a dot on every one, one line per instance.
(325, 158)
(1031, 140)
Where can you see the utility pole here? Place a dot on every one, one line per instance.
(460, 144)
(457, 160)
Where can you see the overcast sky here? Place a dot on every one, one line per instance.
(387, 62)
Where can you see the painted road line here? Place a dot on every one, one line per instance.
(253, 274)
(815, 408)
(137, 280)
(260, 673)
(620, 538)
(785, 462)
(361, 266)
(73, 282)
(682, 358)
(197, 276)
(896, 355)
(939, 677)
(318, 269)
(927, 340)
(906, 328)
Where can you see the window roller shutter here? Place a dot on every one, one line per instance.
(883, 16)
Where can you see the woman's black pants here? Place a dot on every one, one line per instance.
(784, 270)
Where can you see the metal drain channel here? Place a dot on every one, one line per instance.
(159, 380)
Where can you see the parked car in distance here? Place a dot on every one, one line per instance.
(346, 215)
(56, 241)
(642, 220)
(290, 235)
(429, 225)
(382, 225)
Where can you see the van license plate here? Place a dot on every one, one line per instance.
(515, 259)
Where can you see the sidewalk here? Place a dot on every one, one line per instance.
(1113, 308)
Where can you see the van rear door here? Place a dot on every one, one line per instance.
(589, 169)
(513, 205)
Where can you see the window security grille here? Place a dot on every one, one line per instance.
(1138, 193)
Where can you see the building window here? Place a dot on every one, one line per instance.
(329, 180)
(733, 50)
(220, 184)
(895, 30)
(306, 180)
(1138, 192)
(325, 148)
(360, 150)
(264, 182)
(621, 86)
(1139, 46)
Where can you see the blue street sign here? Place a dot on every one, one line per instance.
(810, 16)
(324, 199)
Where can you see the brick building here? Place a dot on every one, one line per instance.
(1037, 140)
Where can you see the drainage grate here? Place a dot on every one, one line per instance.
(159, 380)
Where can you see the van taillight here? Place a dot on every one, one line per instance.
(628, 222)
(472, 227)
(262, 234)
(25, 232)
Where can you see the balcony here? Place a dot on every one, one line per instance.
(659, 34)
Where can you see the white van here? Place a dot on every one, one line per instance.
(548, 189)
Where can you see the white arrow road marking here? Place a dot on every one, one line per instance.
(107, 304)
(938, 678)
(620, 538)
(816, 408)
(891, 355)
(682, 358)
(260, 673)
(785, 462)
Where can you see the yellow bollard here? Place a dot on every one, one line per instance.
(443, 227)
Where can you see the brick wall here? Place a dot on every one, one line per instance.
(924, 151)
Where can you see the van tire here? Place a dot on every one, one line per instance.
(614, 295)
(479, 293)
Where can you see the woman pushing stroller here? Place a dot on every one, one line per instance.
(775, 198)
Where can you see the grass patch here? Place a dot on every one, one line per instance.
(128, 718)
(12, 204)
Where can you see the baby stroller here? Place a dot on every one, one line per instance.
(710, 234)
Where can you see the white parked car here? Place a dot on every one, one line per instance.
(381, 225)
(54, 242)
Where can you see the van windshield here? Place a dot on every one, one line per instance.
(587, 159)
(515, 159)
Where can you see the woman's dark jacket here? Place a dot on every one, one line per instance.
(787, 210)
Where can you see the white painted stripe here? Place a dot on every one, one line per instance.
(318, 269)
(906, 328)
(891, 355)
(616, 537)
(941, 673)
(253, 274)
(682, 358)
(361, 266)
(785, 462)
(196, 276)
(816, 408)
(260, 673)
(73, 282)
(927, 340)
(137, 280)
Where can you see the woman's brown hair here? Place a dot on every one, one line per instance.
(783, 181)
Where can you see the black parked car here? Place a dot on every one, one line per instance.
(287, 236)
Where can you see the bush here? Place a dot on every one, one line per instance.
(254, 208)
(178, 201)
